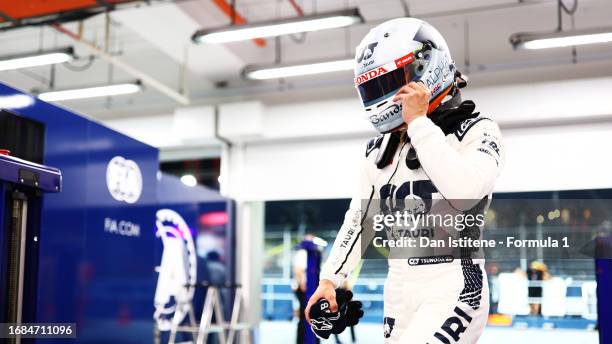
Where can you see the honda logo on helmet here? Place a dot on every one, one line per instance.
(374, 73)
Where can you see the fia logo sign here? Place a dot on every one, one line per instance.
(124, 179)
(367, 52)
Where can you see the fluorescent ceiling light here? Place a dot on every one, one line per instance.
(568, 41)
(91, 92)
(280, 27)
(16, 101)
(37, 59)
(189, 180)
(285, 71)
(560, 39)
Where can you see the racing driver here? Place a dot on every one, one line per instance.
(433, 147)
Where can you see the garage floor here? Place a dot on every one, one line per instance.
(282, 332)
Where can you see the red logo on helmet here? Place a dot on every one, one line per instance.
(374, 73)
(404, 60)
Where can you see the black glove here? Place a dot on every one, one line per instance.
(324, 322)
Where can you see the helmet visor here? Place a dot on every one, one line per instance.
(386, 84)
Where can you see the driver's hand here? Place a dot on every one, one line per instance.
(327, 291)
(415, 101)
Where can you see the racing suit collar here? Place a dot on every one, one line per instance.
(450, 115)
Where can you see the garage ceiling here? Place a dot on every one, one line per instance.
(155, 38)
(26, 12)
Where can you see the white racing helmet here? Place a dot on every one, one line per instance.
(393, 54)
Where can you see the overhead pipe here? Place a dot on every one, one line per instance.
(142, 76)
(297, 8)
(224, 140)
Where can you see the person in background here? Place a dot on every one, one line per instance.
(538, 271)
(216, 268)
(300, 262)
(493, 271)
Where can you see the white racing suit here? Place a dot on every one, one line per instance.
(440, 302)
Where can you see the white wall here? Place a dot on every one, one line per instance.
(557, 158)
(185, 127)
(554, 158)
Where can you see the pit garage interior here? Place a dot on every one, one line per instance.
(192, 155)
